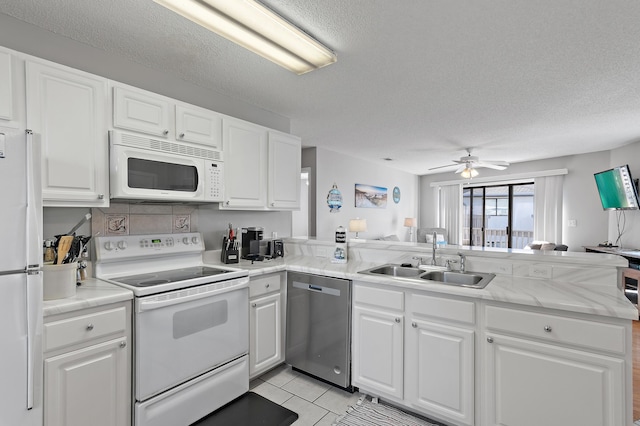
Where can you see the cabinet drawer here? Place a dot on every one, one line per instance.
(570, 331)
(263, 285)
(444, 308)
(383, 298)
(75, 330)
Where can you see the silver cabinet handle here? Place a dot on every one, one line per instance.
(89, 327)
(100, 196)
(123, 344)
(547, 328)
(490, 339)
(165, 132)
(182, 135)
(414, 325)
(253, 305)
(398, 320)
(267, 285)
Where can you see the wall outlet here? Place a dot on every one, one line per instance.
(321, 252)
(505, 269)
(540, 271)
(572, 223)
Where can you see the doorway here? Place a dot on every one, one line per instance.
(498, 215)
(300, 218)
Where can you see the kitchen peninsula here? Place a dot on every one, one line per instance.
(560, 314)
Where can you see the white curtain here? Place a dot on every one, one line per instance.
(547, 211)
(449, 211)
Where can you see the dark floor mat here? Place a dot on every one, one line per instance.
(250, 409)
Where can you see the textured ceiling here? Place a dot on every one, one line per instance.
(417, 81)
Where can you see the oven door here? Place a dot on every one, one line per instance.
(139, 173)
(182, 334)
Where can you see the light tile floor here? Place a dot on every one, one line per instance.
(316, 402)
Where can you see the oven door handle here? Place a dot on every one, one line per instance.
(156, 302)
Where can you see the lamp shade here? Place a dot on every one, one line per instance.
(358, 225)
(410, 222)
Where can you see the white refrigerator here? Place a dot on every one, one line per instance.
(20, 280)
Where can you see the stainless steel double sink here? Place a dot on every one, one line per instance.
(454, 278)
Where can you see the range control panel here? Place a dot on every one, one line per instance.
(129, 246)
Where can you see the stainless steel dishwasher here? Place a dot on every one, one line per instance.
(319, 327)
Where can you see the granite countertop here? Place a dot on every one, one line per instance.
(602, 300)
(92, 292)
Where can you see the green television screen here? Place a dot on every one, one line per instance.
(616, 189)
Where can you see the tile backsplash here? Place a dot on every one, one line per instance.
(143, 219)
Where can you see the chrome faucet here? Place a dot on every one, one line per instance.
(462, 259)
(435, 246)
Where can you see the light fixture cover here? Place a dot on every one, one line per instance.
(469, 172)
(257, 28)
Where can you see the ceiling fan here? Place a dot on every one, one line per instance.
(467, 165)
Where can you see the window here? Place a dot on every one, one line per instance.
(498, 216)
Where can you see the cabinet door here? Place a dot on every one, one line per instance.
(141, 111)
(90, 386)
(285, 155)
(265, 345)
(12, 95)
(530, 383)
(440, 370)
(377, 351)
(245, 157)
(198, 125)
(66, 108)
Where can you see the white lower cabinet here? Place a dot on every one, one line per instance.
(378, 351)
(266, 323)
(440, 365)
(84, 387)
(87, 367)
(544, 369)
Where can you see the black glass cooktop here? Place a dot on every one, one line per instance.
(172, 276)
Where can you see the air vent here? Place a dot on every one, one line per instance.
(171, 147)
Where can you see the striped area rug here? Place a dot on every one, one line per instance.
(367, 413)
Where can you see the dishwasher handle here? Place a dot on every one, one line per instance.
(317, 288)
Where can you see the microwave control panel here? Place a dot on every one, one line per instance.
(214, 184)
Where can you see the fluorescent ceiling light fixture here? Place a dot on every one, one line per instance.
(254, 27)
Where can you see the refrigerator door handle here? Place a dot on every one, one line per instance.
(34, 201)
(34, 335)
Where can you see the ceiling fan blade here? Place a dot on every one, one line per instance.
(496, 163)
(442, 167)
(491, 166)
(461, 168)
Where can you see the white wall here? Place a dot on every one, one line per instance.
(580, 197)
(347, 171)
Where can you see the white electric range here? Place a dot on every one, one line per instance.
(191, 329)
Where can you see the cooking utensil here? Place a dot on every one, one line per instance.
(84, 219)
(63, 247)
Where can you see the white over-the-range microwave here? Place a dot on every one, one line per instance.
(142, 169)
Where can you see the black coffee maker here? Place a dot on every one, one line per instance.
(251, 238)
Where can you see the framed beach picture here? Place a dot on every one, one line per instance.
(370, 196)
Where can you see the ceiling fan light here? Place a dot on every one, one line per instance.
(469, 173)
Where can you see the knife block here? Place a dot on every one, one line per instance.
(231, 254)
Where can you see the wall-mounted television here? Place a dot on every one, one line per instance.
(617, 189)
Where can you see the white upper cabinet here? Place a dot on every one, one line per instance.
(285, 156)
(198, 125)
(11, 90)
(66, 109)
(245, 157)
(141, 111)
(262, 167)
